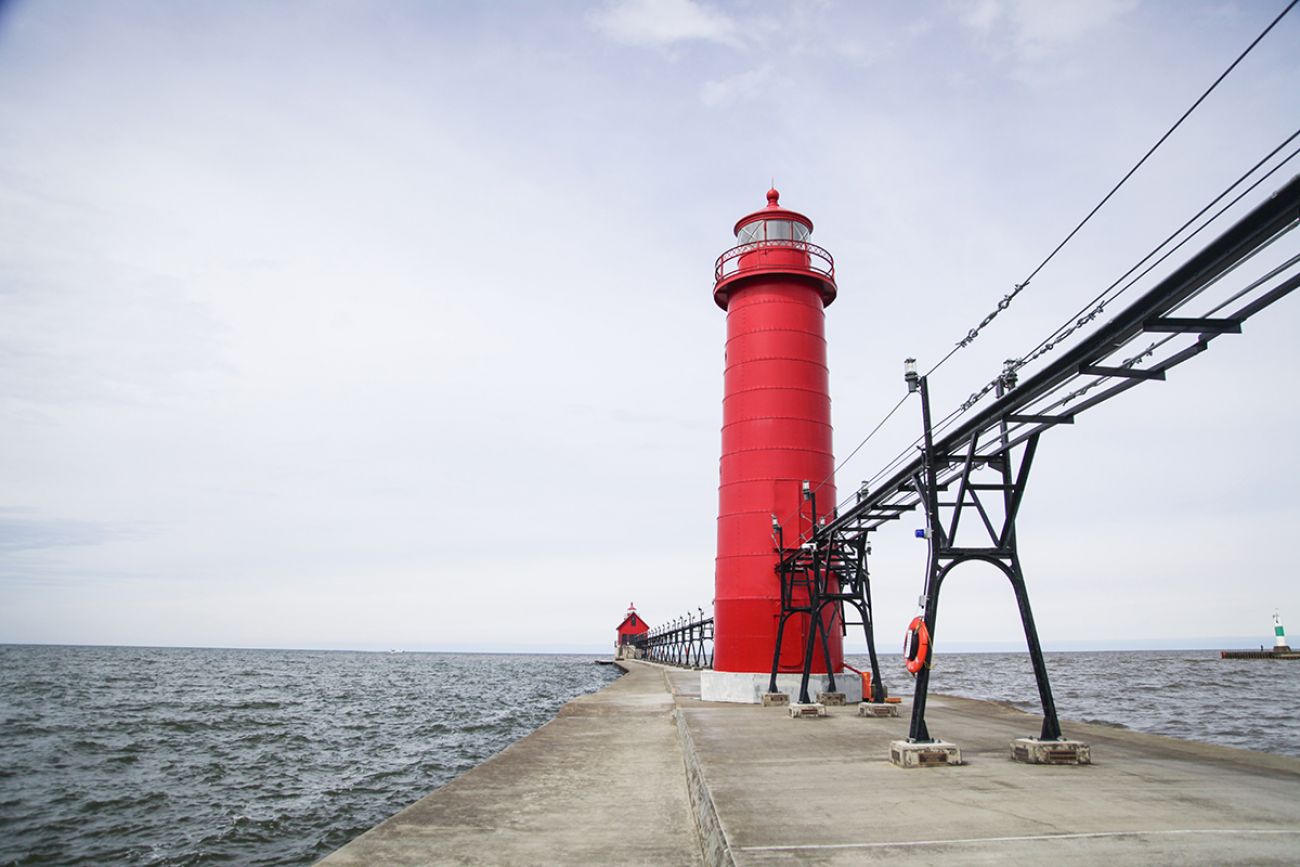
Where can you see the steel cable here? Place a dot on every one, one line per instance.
(1020, 287)
(1006, 300)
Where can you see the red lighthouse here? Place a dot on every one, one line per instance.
(776, 436)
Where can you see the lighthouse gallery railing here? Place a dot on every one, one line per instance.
(728, 264)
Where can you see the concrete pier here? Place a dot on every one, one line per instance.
(602, 783)
(643, 772)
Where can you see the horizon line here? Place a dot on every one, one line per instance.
(1210, 643)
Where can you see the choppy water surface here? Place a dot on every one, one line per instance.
(181, 756)
(1190, 694)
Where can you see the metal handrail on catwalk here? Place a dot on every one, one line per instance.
(686, 642)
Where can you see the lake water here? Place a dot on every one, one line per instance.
(113, 755)
(191, 757)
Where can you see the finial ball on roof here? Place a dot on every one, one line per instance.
(773, 198)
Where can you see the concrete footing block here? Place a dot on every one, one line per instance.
(831, 699)
(1032, 751)
(807, 711)
(775, 699)
(877, 708)
(926, 754)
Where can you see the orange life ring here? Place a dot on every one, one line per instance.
(916, 645)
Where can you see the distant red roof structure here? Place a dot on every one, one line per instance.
(631, 627)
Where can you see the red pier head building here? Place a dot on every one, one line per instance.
(776, 437)
(632, 628)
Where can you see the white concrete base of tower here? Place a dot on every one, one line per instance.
(746, 687)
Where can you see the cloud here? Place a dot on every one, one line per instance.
(1031, 26)
(21, 530)
(293, 317)
(665, 22)
(1044, 22)
(981, 16)
(742, 87)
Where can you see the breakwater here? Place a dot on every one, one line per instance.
(1259, 654)
(616, 778)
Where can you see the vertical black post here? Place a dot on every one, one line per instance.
(776, 653)
(825, 629)
(918, 732)
(785, 575)
(822, 600)
(1051, 725)
(869, 627)
(934, 536)
(813, 620)
(813, 614)
(1011, 499)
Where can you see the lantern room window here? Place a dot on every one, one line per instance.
(772, 230)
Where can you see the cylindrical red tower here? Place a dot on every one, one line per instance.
(776, 435)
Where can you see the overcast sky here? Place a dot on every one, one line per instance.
(389, 325)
